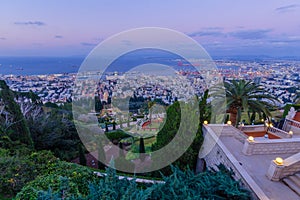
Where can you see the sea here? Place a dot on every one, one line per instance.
(63, 65)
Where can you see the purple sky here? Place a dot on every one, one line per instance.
(223, 27)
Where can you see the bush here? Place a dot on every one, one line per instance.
(78, 178)
(116, 135)
(180, 185)
(18, 170)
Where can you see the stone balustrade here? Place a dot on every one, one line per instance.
(290, 123)
(290, 166)
(267, 146)
(252, 128)
(279, 133)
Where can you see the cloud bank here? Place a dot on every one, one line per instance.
(30, 23)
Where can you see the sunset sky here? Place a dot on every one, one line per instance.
(223, 27)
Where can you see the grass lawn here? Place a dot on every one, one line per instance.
(133, 153)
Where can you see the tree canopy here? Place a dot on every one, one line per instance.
(244, 96)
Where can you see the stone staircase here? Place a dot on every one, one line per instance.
(293, 182)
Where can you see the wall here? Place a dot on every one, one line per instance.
(291, 165)
(272, 146)
(220, 154)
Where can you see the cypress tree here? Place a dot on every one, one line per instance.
(106, 127)
(82, 158)
(114, 125)
(142, 150)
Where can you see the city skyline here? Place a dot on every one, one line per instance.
(55, 28)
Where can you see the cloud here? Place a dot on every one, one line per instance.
(88, 44)
(30, 23)
(251, 34)
(289, 40)
(58, 36)
(214, 28)
(2, 38)
(206, 33)
(210, 31)
(287, 8)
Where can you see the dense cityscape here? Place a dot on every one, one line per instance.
(278, 77)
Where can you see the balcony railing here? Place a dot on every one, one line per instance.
(291, 124)
(278, 132)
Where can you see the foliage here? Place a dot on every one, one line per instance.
(19, 128)
(244, 96)
(19, 167)
(170, 128)
(82, 158)
(77, 178)
(180, 185)
(142, 146)
(206, 185)
(55, 131)
(288, 107)
(168, 132)
(51, 105)
(116, 135)
(204, 108)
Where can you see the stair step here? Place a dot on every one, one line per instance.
(292, 185)
(295, 179)
(298, 175)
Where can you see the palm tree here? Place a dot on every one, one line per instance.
(242, 95)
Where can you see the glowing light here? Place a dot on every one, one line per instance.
(229, 122)
(251, 139)
(279, 161)
(205, 122)
(290, 132)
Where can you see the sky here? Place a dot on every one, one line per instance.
(222, 27)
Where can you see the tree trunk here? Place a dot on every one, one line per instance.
(233, 115)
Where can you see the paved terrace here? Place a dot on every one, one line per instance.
(254, 166)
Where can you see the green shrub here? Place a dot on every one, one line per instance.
(180, 185)
(78, 178)
(18, 170)
(116, 135)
